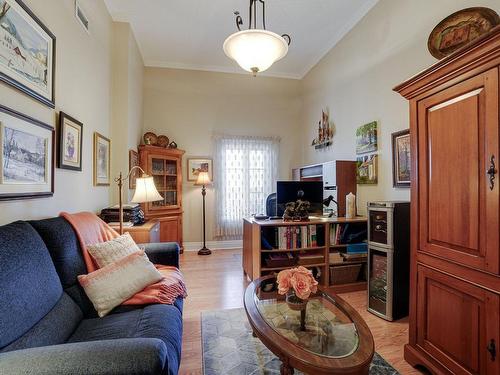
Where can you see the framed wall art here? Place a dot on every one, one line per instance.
(197, 165)
(133, 161)
(26, 156)
(367, 138)
(70, 143)
(367, 169)
(102, 160)
(27, 52)
(401, 158)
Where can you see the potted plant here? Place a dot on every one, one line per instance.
(298, 284)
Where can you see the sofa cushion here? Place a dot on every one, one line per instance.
(53, 329)
(163, 322)
(66, 254)
(30, 286)
(109, 252)
(109, 286)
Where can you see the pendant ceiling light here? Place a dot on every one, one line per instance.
(255, 50)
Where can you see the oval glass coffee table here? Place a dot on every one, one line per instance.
(336, 340)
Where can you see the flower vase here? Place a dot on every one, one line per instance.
(297, 304)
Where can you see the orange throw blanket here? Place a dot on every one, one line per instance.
(90, 229)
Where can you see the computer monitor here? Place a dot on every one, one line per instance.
(290, 191)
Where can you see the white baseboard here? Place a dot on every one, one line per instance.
(214, 245)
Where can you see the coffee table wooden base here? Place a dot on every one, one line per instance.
(286, 369)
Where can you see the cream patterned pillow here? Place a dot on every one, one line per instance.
(106, 253)
(111, 285)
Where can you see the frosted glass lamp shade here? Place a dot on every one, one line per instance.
(145, 190)
(255, 50)
(203, 179)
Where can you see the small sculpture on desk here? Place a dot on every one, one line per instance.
(302, 210)
(289, 213)
(297, 211)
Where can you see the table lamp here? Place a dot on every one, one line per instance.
(326, 203)
(203, 180)
(145, 191)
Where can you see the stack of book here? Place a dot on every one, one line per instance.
(131, 214)
(356, 252)
(296, 237)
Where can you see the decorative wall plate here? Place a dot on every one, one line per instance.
(162, 141)
(150, 138)
(459, 29)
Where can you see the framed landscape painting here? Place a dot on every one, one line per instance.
(367, 169)
(401, 158)
(26, 156)
(27, 52)
(102, 160)
(70, 143)
(197, 165)
(366, 138)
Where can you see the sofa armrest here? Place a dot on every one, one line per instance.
(166, 253)
(106, 357)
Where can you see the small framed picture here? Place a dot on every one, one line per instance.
(26, 156)
(102, 160)
(401, 159)
(70, 143)
(133, 161)
(197, 165)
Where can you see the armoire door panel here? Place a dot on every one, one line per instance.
(457, 135)
(454, 322)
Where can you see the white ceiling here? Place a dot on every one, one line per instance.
(188, 34)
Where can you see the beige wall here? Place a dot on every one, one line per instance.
(355, 80)
(82, 85)
(190, 106)
(127, 103)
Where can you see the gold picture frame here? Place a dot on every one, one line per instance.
(196, 165)
(102, 160)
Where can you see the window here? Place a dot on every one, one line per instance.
(246, 169)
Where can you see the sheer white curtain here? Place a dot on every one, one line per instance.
(246, 169)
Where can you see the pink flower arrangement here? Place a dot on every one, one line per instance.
(300, 279)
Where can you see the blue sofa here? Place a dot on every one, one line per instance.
(49, 326)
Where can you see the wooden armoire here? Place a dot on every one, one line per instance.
(455, 206)
(165, 165)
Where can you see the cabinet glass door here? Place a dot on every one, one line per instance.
(164, 173)
(377, 282)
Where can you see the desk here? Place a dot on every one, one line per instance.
(255, 267)
(149, 232)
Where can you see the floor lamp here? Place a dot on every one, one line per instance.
(203, 180)
(145, 191)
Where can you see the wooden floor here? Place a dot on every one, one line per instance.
(217, 282)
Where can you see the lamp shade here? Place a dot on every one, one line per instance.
(145, 190)
(255, 50)
(203, 179)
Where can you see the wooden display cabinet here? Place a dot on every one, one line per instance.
(165, 165)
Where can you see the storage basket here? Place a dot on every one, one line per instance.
(344, 274)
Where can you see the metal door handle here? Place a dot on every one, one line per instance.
(492, 172)
(491, 348)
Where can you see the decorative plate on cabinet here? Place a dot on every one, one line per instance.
(163, 141)
(150, 138)
(459, 29)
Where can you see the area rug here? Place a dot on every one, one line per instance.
(230, 349)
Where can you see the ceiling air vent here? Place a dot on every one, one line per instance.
(81, 16)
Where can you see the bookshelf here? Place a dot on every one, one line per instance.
(270, 246)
